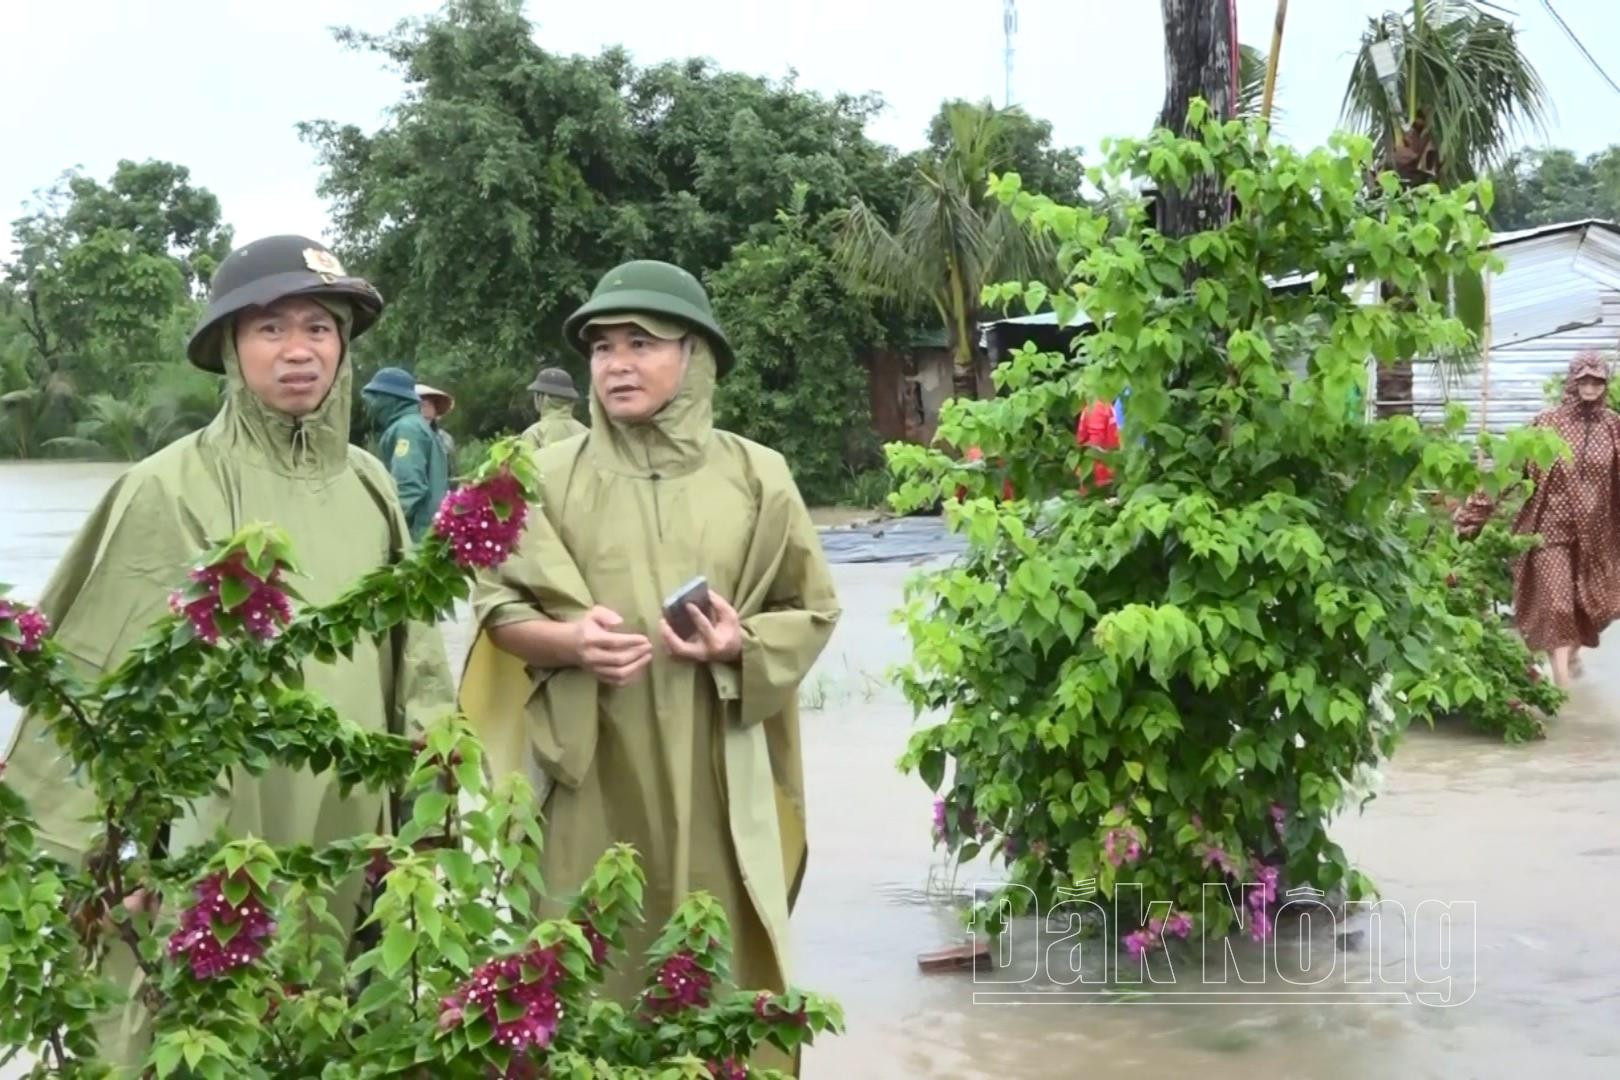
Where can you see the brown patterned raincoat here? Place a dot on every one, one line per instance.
(1568, 589)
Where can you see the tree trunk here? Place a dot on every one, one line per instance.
(1200, 60)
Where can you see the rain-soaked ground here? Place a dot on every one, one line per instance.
(1522, 843)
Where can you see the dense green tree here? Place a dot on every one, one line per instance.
(99, 293)
(509, 178)
(1545, 186)
(799, 385)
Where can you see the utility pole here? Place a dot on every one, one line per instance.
(1009, 26)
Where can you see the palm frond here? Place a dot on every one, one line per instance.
(873, 259)
(1474, 88)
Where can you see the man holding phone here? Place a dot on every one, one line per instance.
(640, 655)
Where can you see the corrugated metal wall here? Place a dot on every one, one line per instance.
(1558, 296)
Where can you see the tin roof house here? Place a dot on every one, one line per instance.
(1558, 295)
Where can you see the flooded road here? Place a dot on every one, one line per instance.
(1531, 836)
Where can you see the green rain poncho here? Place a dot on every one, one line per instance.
(337, 504)
(556, 423)
(699, 769)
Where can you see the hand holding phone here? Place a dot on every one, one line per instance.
(676, 614)
(700, 626)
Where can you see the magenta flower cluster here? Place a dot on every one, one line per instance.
(528, 980)
(681, 983)
(1122, 846)
(265, 611)
(471, 521)
(1138, 942)
(197, 942)
(32, 625)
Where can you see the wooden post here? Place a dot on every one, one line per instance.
(1485, 360)
(1272, 60)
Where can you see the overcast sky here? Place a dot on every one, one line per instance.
(218, 85)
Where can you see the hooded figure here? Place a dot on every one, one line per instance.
(687, 749)
(1568, 589)
(436, 405)
(414, 455)
(253, 462)
(554, 397)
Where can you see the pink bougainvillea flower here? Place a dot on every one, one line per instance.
(32, 625)
(939, 820)
(1180, 924)
(527, 980)
(482, 522)
(1279, 817)
(599, 944)
(197, 942)
(680, 984)
(265, 611)
(729, 1069)
(1122, 846)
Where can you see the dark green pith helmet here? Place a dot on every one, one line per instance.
(657, 288)
(267, 270)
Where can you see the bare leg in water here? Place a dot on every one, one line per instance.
(1575, 665)
(1561, 665)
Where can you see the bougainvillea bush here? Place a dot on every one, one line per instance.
(1519, 697)
(1181, 676)
(249, 967)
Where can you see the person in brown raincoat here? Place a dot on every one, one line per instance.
(1568, 589)
(687, 749)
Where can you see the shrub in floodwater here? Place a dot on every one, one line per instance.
(1517, 697)
(1178, 677)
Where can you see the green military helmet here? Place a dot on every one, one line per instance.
(657, 288)
(271, 269)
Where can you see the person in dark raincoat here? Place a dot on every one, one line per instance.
(415, 457)
(280, 318)
(1568, 589)
(554, 398)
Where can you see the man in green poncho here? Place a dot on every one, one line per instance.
(415, 456)
(688, 749)
(554, 397)
(280, 317)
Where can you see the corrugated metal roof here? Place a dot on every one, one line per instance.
(1558, 295)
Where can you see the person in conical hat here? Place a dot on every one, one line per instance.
(281, 315)
(687, 748)
(436, 405)
(554, 399)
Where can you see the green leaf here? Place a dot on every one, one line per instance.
(233, 592)
(931, 767)
(398, 946)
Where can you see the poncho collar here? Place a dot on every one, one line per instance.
(315, 446)
(675, 441)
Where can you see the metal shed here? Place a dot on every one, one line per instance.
(1558, 295)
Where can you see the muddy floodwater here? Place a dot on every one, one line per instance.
(1519, 975)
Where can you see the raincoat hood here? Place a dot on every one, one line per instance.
(674, 441)
(314, 445)
(1585, 366)
(382, 410)
(548, 406)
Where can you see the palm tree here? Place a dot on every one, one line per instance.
(1460, 95)
(952, 238)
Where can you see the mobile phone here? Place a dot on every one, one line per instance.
(695, 592)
